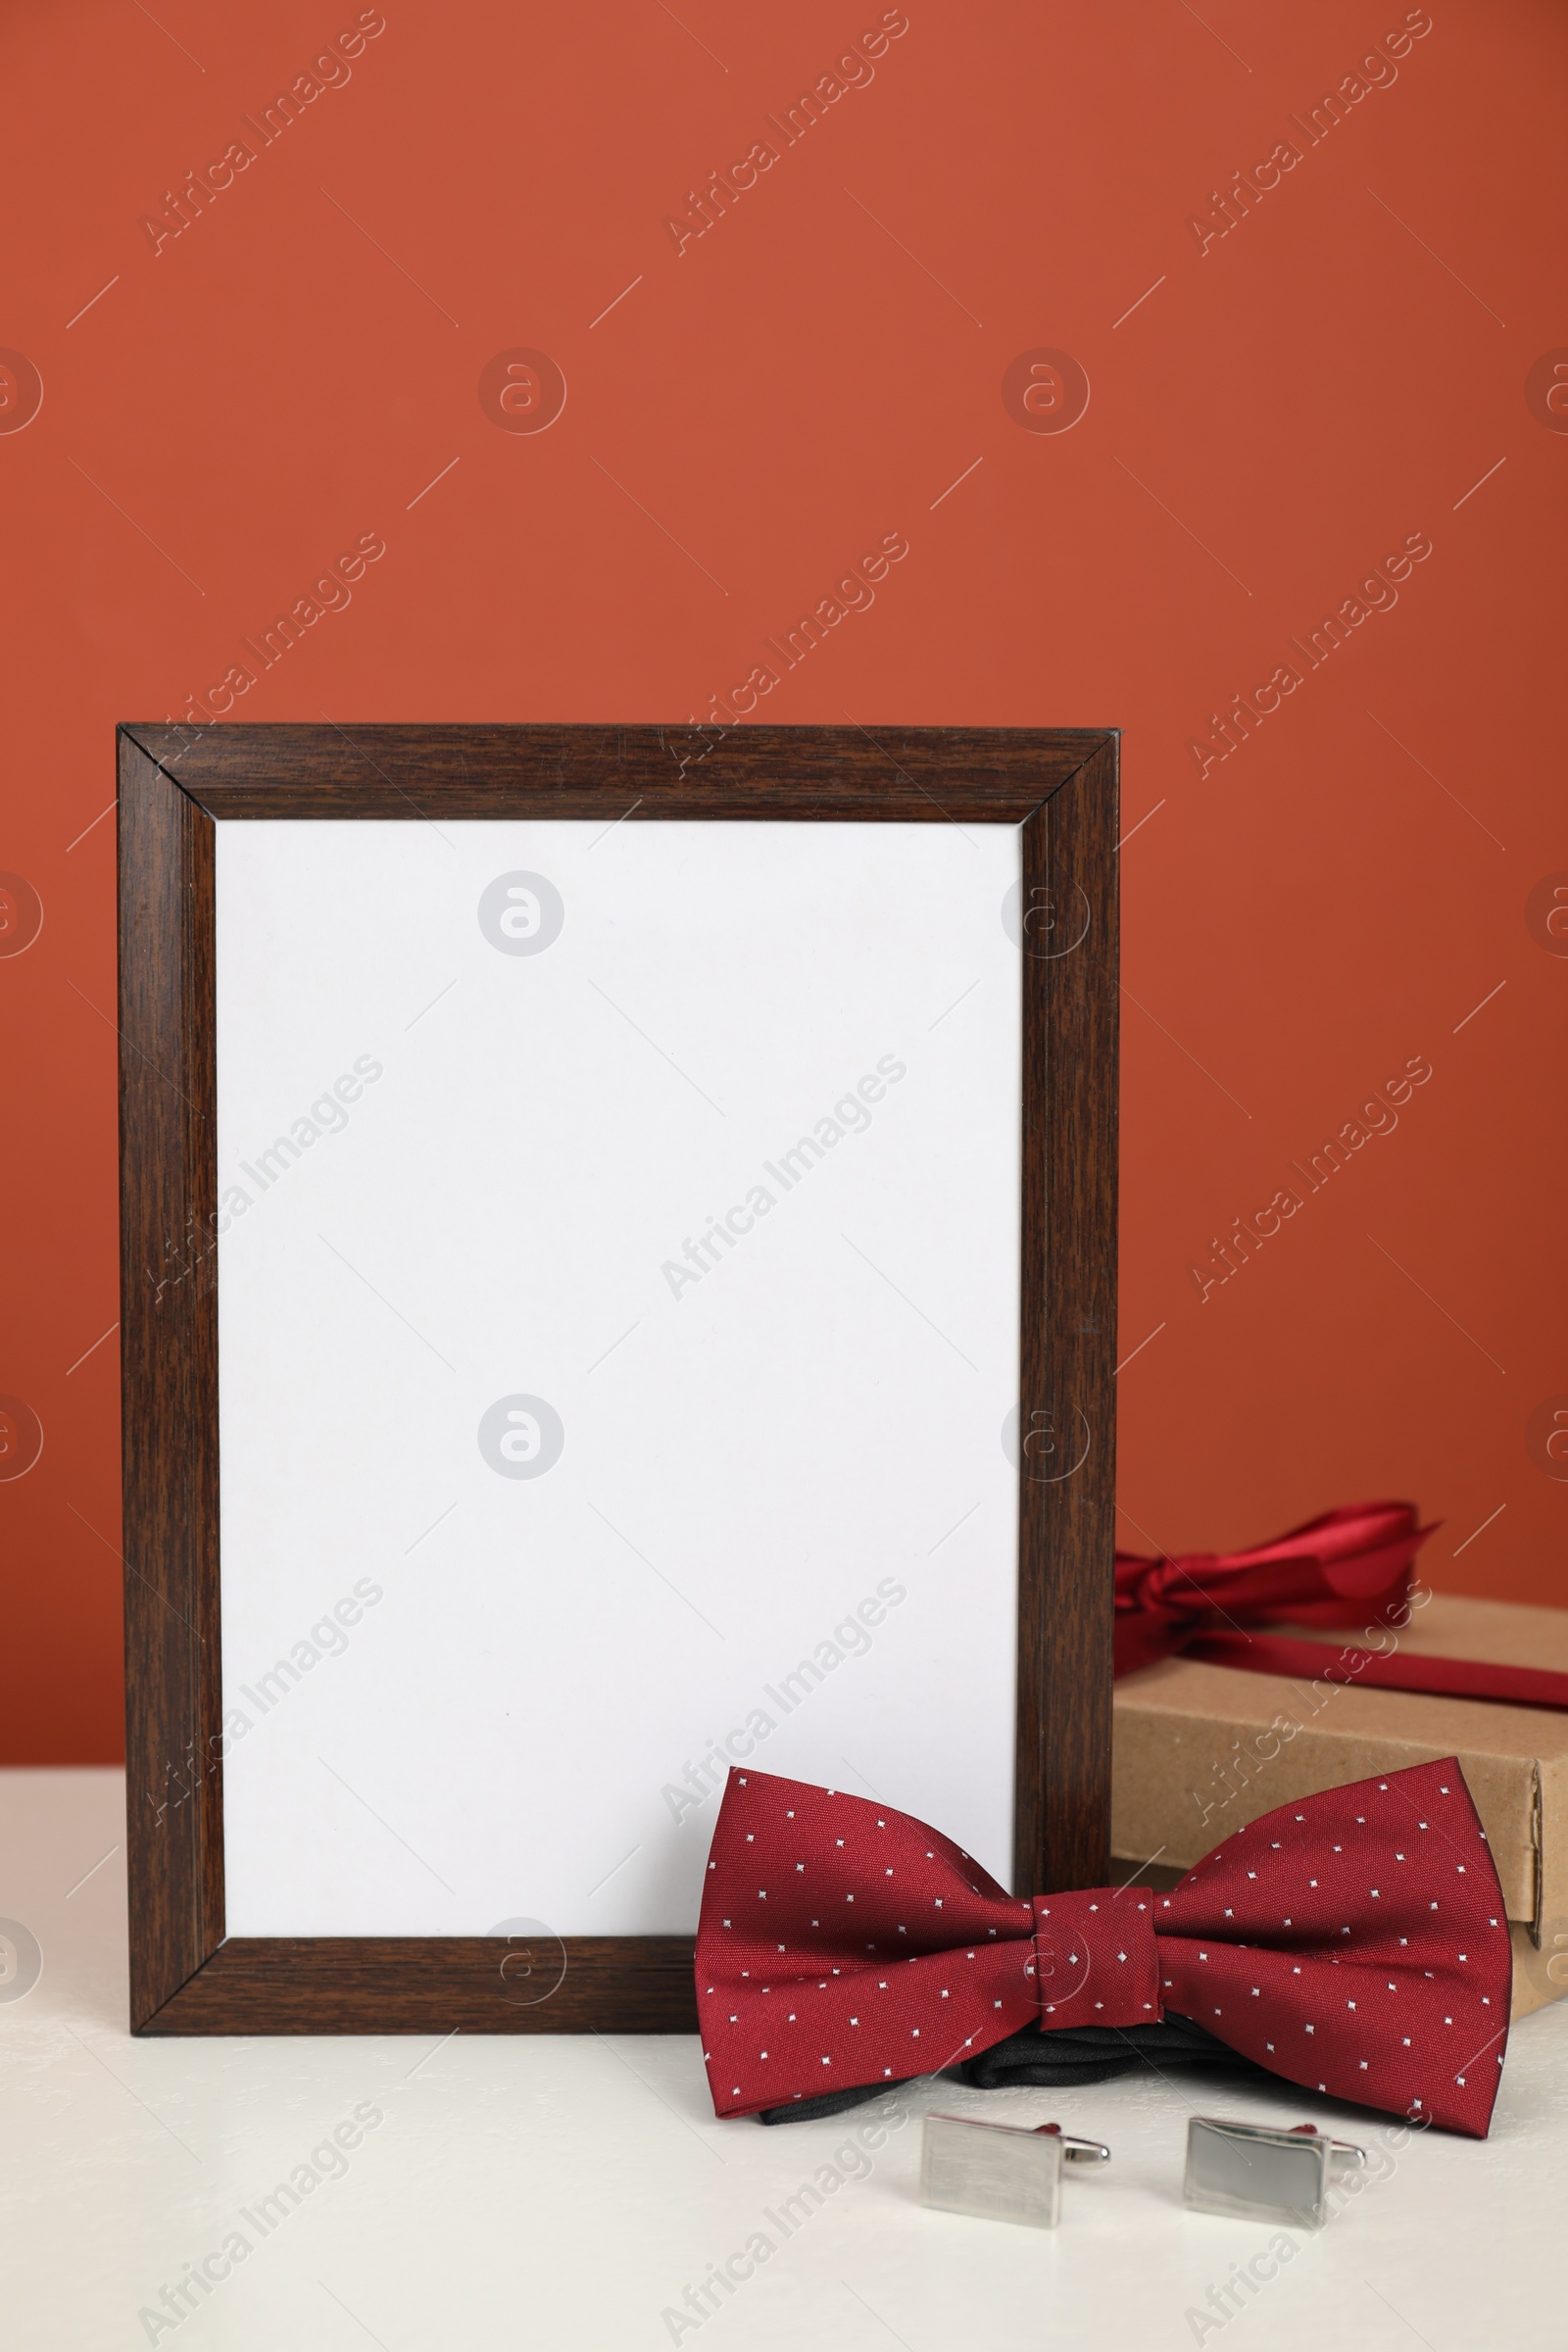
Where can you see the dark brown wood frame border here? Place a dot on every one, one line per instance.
(1061, 787)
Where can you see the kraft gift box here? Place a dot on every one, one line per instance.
(1201, 1749)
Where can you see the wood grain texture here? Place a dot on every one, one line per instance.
(169, 1356)
(1067, 1540)
(895, 775)
(434, 1985)
(1061, 787)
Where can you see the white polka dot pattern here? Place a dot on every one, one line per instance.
(1354, 1941)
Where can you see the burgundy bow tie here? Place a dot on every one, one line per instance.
(1354, 1942)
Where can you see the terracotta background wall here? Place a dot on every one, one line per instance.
(1358, 364)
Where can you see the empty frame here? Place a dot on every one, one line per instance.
(619, 1252)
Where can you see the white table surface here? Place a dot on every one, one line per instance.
(556, 2190)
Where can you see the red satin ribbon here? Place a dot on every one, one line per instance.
(1349, 1567)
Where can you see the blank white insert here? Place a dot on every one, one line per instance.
(758, 1436)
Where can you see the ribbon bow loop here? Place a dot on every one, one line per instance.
(1328, 1572)
(1349, 1567)
(1354, 1942)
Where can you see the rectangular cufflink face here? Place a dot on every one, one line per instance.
(1253, 2173)
(998, 2172)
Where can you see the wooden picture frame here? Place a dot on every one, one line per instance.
(177, 785)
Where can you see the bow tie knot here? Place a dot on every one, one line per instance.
(1095, 1959)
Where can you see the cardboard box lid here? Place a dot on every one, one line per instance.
(1201, 1749)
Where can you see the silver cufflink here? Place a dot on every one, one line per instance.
(999, 2172)
(1255, 2173)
